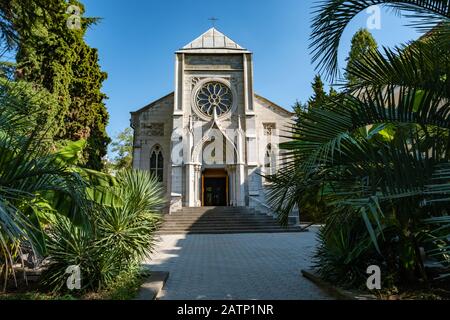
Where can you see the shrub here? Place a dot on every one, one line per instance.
(71, 245)
(33, 182)
(128, 230)
(114, 242)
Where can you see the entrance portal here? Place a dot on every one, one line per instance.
(215, 188)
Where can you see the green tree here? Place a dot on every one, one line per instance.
(318, 98)
(310, 203)
(28, 11)
(31, 101)
(333, 93)
(363, 44)
(56, 57)
(319, 95)
(299, 108)
(122, 147)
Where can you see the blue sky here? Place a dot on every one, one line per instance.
(137, 40)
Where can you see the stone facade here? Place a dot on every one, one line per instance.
(212, 127)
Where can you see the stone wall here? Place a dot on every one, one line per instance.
(271, 123)
(153, 126)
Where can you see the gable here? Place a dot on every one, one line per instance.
(159, 111)
(266, 103)
(155, 103)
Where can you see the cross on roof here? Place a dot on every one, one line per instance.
(213, 21)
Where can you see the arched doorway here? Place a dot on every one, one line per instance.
(215, 186)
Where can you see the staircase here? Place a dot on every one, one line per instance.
(221, 220)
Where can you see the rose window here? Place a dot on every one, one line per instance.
(214, 95)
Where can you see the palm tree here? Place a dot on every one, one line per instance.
(34, 184)
(379, 151)
(117, 239)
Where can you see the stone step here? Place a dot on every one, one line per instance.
(225, 222)
(215, 212)
(238, 218)
(221, 223)
(222, 231)
(221, 227)
(162, 232)
(220, 220)
(243, 213)
(215, 209)
(230, 213)
(231, 223)
(186, 218)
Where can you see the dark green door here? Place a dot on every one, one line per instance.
(215, 192)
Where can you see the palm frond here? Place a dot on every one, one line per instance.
(421, 65)
(333, 16)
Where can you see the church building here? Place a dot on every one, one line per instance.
(212, 140)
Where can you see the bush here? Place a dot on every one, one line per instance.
(345, 252)
(115, 241)
(71, 245)
(128, 230)
(34, 183)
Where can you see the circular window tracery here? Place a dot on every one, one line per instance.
(214, 95)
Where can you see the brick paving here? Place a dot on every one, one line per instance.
(236, 266)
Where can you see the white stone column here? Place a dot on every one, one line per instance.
(241, 177)
(179, 84)
(240, 185)
(231, 184)
(190, 168)
(190, 184)
(251, 144)
(248, 83)
(198, 185)
(175, 183)
(176, 180)
(234, 187)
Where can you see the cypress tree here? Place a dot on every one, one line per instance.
(319, 93)
(362, 44)
(56, 57)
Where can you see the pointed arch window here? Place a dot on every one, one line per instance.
(157, 163)
(270, 161)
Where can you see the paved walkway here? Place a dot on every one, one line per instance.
(240, 266)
